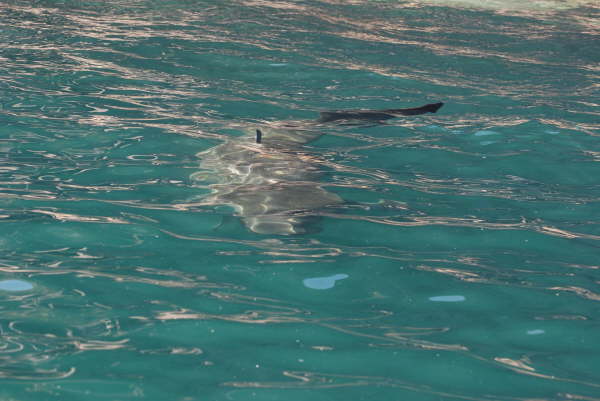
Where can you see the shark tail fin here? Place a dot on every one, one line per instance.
(376, 115)
(434, 107)
(428, 108)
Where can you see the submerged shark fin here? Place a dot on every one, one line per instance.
(376, 115)
(428, 108)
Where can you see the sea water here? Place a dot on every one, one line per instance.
(463, 263)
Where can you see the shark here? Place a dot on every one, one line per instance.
(272, 180)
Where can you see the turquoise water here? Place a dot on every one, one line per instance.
(462, 263)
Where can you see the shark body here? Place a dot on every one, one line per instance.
(270, 179)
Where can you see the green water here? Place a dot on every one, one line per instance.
(461, 265)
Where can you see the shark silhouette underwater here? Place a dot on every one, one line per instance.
(271, 182)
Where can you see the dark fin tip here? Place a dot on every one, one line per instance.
(432, 108)
(258, 136)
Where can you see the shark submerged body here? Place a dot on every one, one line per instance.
(271, 181)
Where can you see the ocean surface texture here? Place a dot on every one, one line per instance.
(151, 249)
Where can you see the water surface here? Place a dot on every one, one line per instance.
(461, 265)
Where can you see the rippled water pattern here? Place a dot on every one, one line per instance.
(461, 264)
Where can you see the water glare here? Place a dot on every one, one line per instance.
(152, 248)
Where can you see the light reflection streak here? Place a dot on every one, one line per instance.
(256, 301)
(96, 345)
(183, 282)
(35, 374)
(78, 218)
(413, 221)
(294, 261)
(119, 187)
(456, 273)
(157, 107)
(283, 5)
(440, 49)
(394, 339)
(562, 317)
(582, 292)
(269, 244)
(536, 8)
(571, 396)
(588, 129)
(174, 351)
(252, 317)
(581, 266)
(522, 367)
(322, 380)
(286, 315)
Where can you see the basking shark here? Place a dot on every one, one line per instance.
(271, 180)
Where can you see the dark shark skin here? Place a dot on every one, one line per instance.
(376, 115)
(271, 181)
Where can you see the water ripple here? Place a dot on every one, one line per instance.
(463, 255)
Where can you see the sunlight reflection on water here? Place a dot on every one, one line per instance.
(120, 279)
